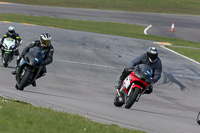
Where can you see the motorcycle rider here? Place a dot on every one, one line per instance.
(45, 43)
(11, 33)
(149, 58)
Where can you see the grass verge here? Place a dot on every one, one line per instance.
(20, 117)
(119, 29)
(157, 6)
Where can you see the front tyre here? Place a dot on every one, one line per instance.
(198, 118)
(6, 59)
(24, 80)
(130, 100)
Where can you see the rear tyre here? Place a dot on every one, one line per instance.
(17, 86)
(24, 80)
(130, 100)
(117, 102)
(198, 118)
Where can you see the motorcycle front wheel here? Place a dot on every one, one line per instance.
(198, 118)
(130, 100)
(6, 59)
(24, 80)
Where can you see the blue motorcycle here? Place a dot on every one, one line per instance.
(29, 67)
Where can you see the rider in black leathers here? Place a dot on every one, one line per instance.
(149, 58)
(45, 43)
(11, 33)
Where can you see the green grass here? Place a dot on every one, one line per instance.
(191, 53)
(20, 117)
(157, 6)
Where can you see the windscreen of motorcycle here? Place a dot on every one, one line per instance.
(35, 56)
(9, 43)
(144, 72)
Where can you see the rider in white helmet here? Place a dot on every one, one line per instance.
(45, 43)
(11, 33)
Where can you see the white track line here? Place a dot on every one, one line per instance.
(181, 55)
(145, 30)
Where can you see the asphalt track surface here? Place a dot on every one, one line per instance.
(81, 80)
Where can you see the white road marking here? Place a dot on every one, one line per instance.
(181, 55)
(145, 30)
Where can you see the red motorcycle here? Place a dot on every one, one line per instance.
(134, 86)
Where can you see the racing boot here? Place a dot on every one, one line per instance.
(14, 72)
(149, 90)
(34, 83)
(120, 78)
(39, 76)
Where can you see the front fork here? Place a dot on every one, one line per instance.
(130, 90)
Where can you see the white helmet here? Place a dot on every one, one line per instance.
(11, 30)
(45, 39)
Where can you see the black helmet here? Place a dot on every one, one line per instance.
(152, 54)
(45, 39)
(11, 30)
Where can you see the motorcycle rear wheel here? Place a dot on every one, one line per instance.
(24, 80)
(198, 118)
(132, 98)
(117, 102)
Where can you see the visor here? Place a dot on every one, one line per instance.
(12, 31)
(46, 43)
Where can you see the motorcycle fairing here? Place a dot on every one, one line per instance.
(31, 62)
(9, 44)
(134, 81)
